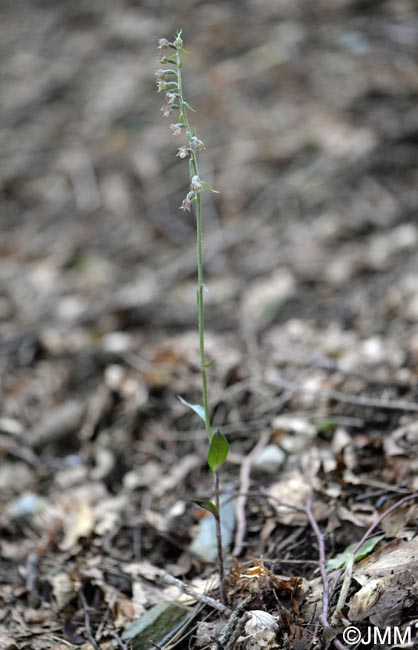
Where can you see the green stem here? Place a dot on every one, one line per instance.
(221, 570)
(199, 247)
(194, 170)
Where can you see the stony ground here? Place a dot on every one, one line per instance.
(308, 112)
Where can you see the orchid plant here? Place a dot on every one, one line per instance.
(170, 81)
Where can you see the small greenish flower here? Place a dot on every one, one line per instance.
(167, 109)
(196, 185)
(170, 98)
(176, 128)
(197, 144)
(186, 206)
(183, 152)
(163, 74)
(163, 44)
(161, 85)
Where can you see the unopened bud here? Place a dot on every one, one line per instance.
(178, 42)
(196, 185)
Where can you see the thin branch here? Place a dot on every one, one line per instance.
(245, 472)
(323, 619)
(87, 621)
(347, 570)
(191, 591)
(224, 637)
(349, 398)
(322, 563)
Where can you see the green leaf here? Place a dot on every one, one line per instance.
(341, 559)
(207, 505)
(195, 407)
(322, 426)
(208, 364)
(188, 106)
(218, 451)
(209, 187)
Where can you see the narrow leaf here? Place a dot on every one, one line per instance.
(207, 505)
(218, 451)
(208, 364)
(188, 106)
(341, 559)
(209, 187)
(195, 407)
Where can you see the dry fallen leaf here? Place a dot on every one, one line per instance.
(80, 524)
(382, 599)
(294, 491)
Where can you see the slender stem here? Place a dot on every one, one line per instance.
(199, 247)
(219, 541)
(194, 171)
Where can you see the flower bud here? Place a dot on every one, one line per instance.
(196, 185)
(178, 42)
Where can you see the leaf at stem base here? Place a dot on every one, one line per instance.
(207, 505)
(218, 451)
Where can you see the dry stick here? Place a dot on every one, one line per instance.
(348, 569)
(323, 619)
(224, 637)
(348, 398)
(322, 564)
(191, 591)
(244, 477)
(87, 621)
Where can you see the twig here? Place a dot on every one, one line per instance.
(349, 566)
(398, 504)
(323, 619)
(87, 621)
(222, 641)
(119, 641)
(349, 398)
(243, 488)
(191, 591)
(322, 563)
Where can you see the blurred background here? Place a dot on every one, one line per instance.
(308, 110)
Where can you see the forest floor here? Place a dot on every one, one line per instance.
(309, 114)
